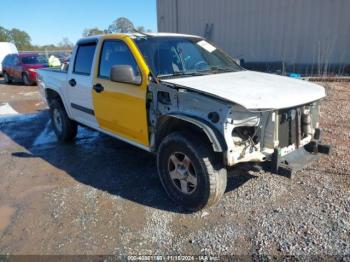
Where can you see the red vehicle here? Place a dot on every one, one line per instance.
(22, 67)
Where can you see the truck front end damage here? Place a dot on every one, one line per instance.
(284, 140)
(281, 140)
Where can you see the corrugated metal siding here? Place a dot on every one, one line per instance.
(294, 31)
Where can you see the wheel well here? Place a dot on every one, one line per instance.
(169, 125)
(52, 95)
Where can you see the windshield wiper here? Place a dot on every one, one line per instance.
(175, 74)
(216, 69)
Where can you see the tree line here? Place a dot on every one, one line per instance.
(23, 41)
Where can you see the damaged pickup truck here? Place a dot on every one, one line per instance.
(188, 102)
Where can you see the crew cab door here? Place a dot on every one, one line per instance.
(120, 108)
(79, 83)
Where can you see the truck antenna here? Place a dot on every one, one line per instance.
(142, 33)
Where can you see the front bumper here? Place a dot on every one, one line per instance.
(289, 164)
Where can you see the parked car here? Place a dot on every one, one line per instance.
(5, 49)
(23, 67)
(185, 100)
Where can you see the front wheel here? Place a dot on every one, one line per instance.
(65, 129)
(190, 172)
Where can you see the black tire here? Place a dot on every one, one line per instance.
(65, 129)
(210, 173)
(25, 80)
(7, 78)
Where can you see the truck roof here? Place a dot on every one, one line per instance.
(134, 35)
(163, 35)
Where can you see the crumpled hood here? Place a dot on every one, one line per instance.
(254, 90)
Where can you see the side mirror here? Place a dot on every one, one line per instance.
(124, 74)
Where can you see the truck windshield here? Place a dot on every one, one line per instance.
(184, 56)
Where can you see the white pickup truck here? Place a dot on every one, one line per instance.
(187, 101)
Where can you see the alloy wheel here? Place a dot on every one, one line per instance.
(182, 173)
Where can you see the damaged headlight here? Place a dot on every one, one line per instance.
(246, 134)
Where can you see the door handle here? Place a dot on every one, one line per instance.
(98, 88)
(72, 82)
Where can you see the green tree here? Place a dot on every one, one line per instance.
(4, 35)
(121, 25)
(20, 38)
(93, 31)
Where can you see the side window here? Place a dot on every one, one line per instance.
(15, 60)
(84, 58)
(115, 52)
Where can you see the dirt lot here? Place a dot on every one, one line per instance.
(102, 196)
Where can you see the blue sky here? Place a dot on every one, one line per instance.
(48, 21)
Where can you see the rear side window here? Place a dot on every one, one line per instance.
(84, 58)
(115, 52)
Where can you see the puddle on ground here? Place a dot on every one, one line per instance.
(6, 213)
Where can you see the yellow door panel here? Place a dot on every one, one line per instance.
(120, 112)
(121, 108)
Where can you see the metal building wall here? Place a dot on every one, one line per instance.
(293, 31)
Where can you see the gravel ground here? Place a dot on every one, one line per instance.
(101, 196)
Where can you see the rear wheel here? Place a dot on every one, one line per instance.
(190, 172)
(7, 78)
(65, 129)
(26, 80)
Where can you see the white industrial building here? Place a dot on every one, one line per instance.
(305, 36)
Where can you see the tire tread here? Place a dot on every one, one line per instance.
(216, 170)
(70, 128)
